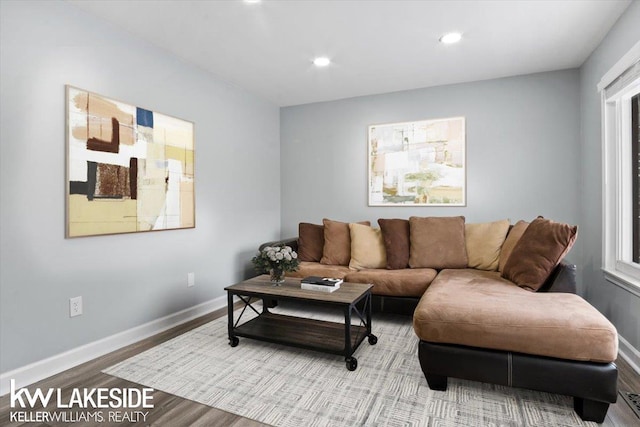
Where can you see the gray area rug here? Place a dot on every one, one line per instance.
(284, 386)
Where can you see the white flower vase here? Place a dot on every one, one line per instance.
(277, 276)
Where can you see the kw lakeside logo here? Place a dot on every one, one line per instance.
(87, 405)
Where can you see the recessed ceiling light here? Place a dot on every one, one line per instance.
(321, 61)
(252, 1)
(450, 38)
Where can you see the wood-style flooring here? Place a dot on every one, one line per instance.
(174, 411)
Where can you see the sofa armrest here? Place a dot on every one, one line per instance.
(562, 279)
(291, 241)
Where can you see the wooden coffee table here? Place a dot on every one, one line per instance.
(329, 337)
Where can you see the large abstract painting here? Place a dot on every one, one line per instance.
(418, 163)
(128, 169)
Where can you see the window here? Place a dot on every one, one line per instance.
(620, 90)
(635, 168)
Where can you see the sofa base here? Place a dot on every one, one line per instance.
(593, 386)
(394, 305)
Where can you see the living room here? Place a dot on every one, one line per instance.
(265, 163)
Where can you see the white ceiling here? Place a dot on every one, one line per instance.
(376, 46)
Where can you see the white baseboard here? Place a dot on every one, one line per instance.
(45, 368)
(629, 353)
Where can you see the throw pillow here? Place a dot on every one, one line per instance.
(540, 249)
(510, 242)
(483, 242)
(367, 247)
(437, 242)
(310, 242)
(395, 234)
(337, 242)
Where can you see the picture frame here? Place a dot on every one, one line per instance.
(129, 169)
(417, 163)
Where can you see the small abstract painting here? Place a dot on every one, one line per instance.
(418, 163)
(128, 169)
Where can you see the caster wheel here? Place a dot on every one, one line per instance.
(373, 340)
(352, 363)
(234, 341)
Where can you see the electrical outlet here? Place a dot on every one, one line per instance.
(191, 279)
(75, 306)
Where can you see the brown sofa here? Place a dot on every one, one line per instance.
(513, 320)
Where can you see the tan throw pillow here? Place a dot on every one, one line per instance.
(310, 242)
(540, 249)
(367, 247)
(437, 242)
(483, 242)
(395, 234)
(337, 242)
(510, 242)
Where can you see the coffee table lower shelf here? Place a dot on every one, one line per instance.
(312, 334)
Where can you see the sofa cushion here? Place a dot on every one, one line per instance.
(307, 268)
(483, 242)
(337, 242)
(515, 233)
(310, 241)
(481, 309)
(437, 242)
(395, 234)
(403, 283)
(540, 249)
(367, 247)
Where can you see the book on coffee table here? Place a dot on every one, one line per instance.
(319, 288)
(324, 281)
(322, 284)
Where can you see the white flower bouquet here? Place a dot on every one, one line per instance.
(276, 260)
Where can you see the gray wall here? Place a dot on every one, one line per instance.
(619, 305)
(522, 150)
(45, 45)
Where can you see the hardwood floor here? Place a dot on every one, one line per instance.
(620, 414)
(168, 410)
(174, 411)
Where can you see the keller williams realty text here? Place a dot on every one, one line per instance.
(77, 417)
(128, 401)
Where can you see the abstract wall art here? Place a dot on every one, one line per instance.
(419, 163)
(128, 169)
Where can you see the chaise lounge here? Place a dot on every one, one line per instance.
(476, 326)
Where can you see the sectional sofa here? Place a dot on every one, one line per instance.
(491, 302)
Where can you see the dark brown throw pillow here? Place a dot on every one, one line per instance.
(337, 242)
(540, 249)
(395, 235)
(437, 242)
(515, 233)
(310, 242)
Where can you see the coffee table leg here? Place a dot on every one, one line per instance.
(233, 340)
(265, 305)
(373, 340)
(352, 362)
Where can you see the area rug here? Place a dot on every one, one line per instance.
(288, 387)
